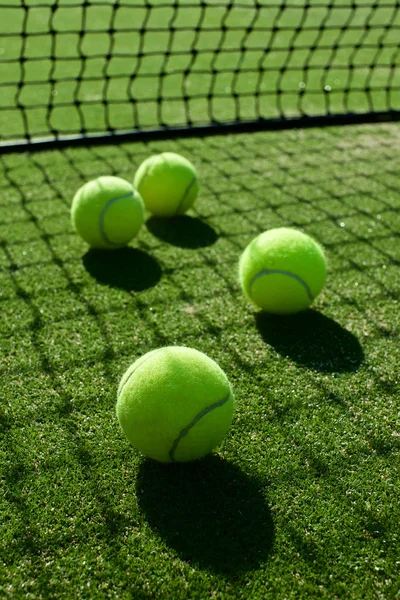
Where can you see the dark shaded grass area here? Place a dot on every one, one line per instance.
(211, 513)
(301, 498)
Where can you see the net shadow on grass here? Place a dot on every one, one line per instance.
(183, 231)
(129, 269)
(5, 422)
(313, 340)
(27, 537)
(210, 512)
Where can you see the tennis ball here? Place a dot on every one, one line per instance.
(167, 183)
(174, 404)
(282, 270)
(107, 212)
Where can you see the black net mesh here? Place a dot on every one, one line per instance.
(78, 68)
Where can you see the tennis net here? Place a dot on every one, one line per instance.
(93, 69)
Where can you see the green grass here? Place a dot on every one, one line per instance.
(345, 49)
(301, 499)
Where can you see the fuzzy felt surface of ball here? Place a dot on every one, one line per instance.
(175, 404)
(168, 184)
(282, 270)
(107, 212)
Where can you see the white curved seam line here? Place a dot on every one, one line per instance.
(288, 274)
(197, 418)
(189, 187)
(103, 214)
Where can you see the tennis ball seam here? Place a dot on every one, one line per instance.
(184, 432)
(146, 173)
(151, 354)
(182, 200)
(287, 274)
(103, 214)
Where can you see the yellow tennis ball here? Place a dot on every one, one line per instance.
(175, 404)
(282, 270)
(168, 184)
(107, 212)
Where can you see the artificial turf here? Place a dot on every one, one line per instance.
(301, 499)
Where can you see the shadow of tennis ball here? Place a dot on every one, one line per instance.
(313, 340)
(126, 268)
(183, 231)
(210, 512)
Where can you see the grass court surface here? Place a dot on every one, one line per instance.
(301, 500)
